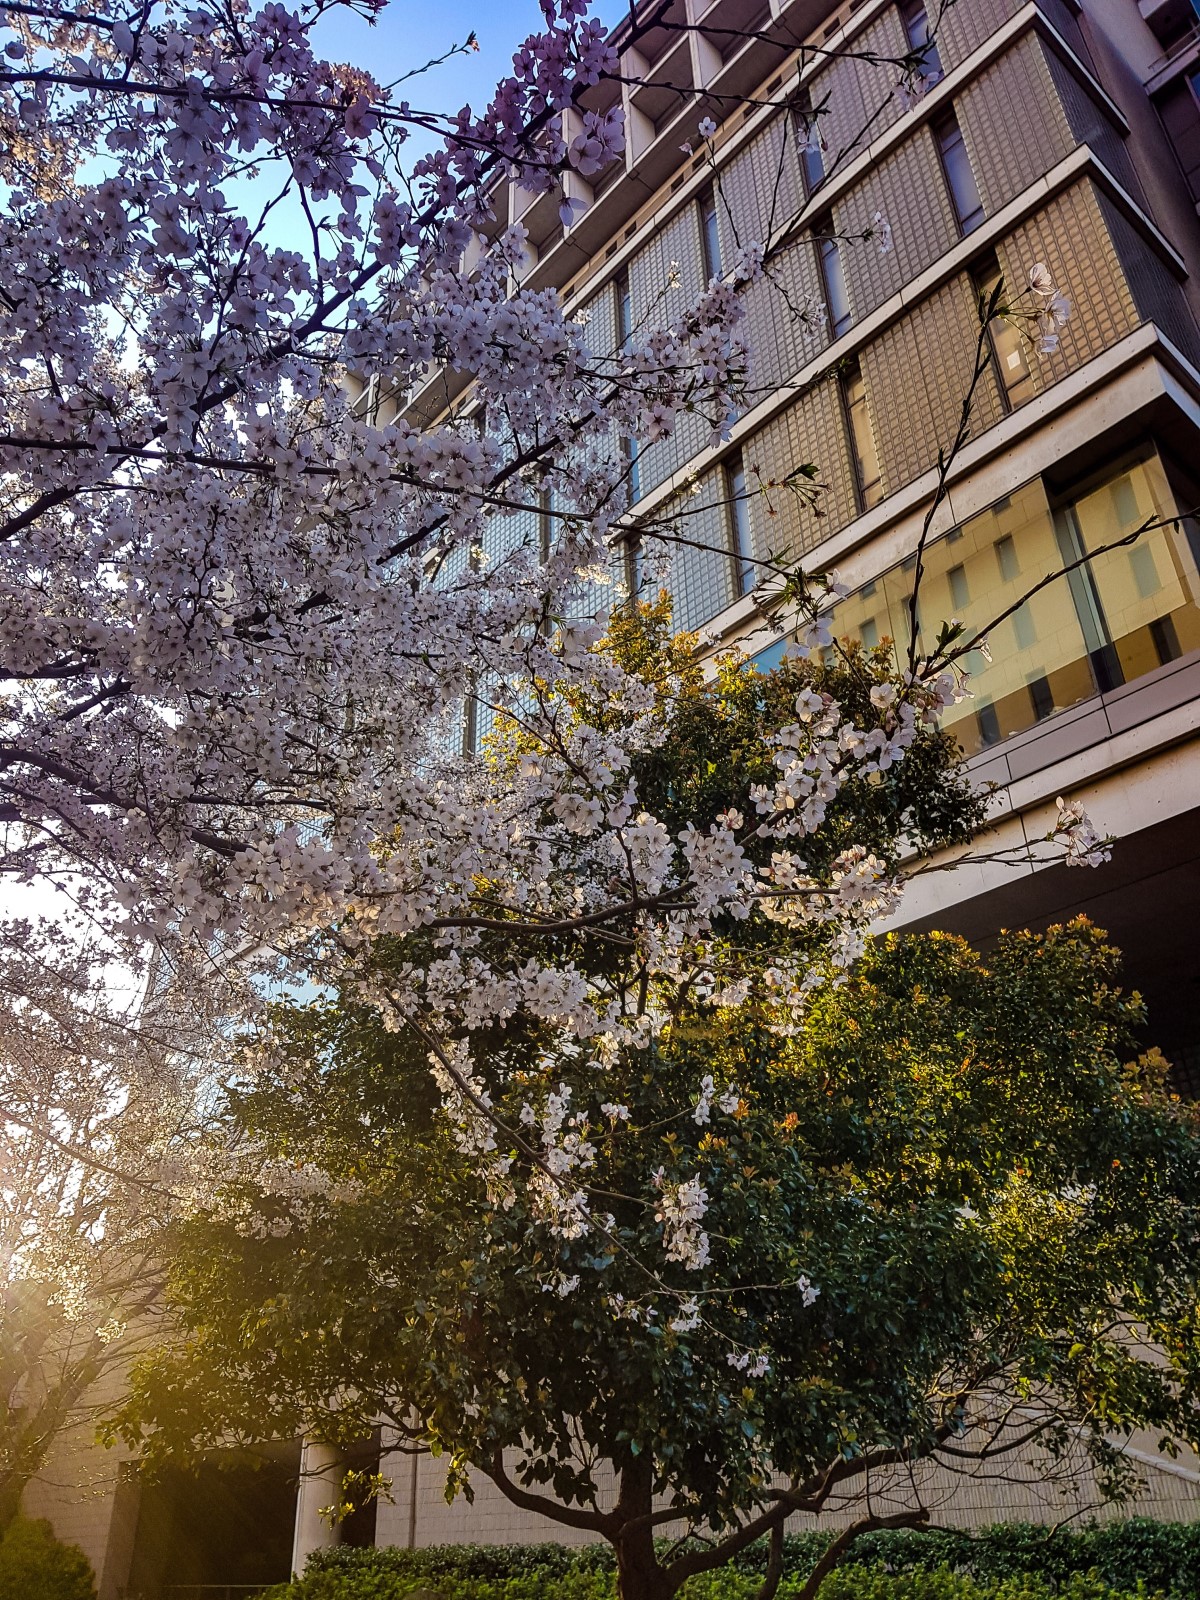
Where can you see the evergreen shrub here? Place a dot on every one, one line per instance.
(34, 1565)
(1009, 1561)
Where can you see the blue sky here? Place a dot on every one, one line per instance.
(411, 32)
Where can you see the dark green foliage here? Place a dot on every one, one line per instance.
(1010, 1561)
(34, 1565)
(931, 1190)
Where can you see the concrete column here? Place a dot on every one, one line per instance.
(117, 1565)
(320, 1485)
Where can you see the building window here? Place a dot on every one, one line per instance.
(635, 577)
(633, 467)
(741, 545)
(545, 523)
(1006, 558)
(915, 17)
(624, 310)
(710, 235)
(470, 724)
(1009, 355)
(960, 180)
(1098, 626)
(808, 140)
(833, 276)
(987, 723)
(869, 480)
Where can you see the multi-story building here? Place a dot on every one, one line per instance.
(1065, 132)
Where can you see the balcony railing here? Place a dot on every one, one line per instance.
(1186, 41)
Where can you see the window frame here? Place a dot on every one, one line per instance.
(912, 14)
(829, 249)
(624, 310)
(868, 492)
(710, 234)
(804, 125)
(985, 273)
(631, 450)
(948, 137)
(632, 552)
(545, 523)
(738, 527)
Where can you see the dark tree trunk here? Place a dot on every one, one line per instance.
(639, 1575)
(12, 1486)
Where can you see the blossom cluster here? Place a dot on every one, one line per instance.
(244, 610)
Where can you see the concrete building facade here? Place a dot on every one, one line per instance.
(1065, 132)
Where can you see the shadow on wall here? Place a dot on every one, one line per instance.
(224, 1530)
(227, 1524)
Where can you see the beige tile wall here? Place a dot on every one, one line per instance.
(908, 188)
(859, 91)
(1070, 236)
(965, 27)
(1013, 122)
(812, 430)
(1171, 1491)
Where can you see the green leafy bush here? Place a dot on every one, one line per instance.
(34, 1565)
(873, 1583)
(367, 1581)
(1010, 1561)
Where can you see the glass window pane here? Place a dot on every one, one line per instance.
(960, 179)
(740, 538)
(862, 440)
(837, 297)
(1009, 355)
(916, 26)
(633, 475)
(624, 311)
(1147, 592)
(634, 577)
(1006, 556)
(710, 237)
(808, 140)
(1125, 614)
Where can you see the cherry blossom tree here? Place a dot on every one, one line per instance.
(238, 613)
(688, 1232)
(100, 1107)
(222, 649)
(233, 608)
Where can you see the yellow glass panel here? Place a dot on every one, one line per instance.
(1109, 622)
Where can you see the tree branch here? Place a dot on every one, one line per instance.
(542, 1505)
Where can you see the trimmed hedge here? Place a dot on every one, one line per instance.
(34, 1565)
(359, 1582)
(1010, 1561)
